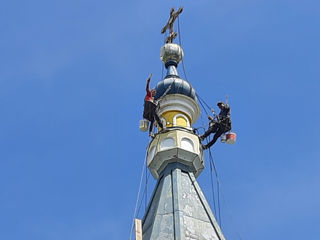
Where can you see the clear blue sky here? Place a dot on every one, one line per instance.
(72, 79)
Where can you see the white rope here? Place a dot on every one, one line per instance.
(138, 197)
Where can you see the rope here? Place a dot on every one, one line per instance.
(179, 31)
(163, 95)
(223, 197)
(143, 196)
(146, 188)
(180, 43)
(202, 106)
(201, 101)
(218, 186)
(184, 71)
(138, 196)
(212, 189)
(212, 165)
(162, 65)
(200, 98)
(231, 218)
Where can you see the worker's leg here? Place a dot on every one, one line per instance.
(147, 110)
(151, 126)
(155, 115)
(158, 120)
(215, 138)
(212, 129)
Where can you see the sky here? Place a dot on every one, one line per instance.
(72, 84)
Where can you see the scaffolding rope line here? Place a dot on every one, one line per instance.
(200, 98)
(220, 192)
(212, 165)
(212, 189)
(184, 71)
(144, 195)
(202, 105)
(138, 196)
(162, 65)
(145, 189)
(180, 43)
(218, 187)
(230, 215)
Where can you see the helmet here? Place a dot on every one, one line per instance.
(219, 103)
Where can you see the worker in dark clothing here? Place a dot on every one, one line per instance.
(150, 107)
(219, 125)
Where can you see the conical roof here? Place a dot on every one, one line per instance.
(178, 209)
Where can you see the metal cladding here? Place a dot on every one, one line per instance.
(171, 52)
(178, 86)
(178, 209)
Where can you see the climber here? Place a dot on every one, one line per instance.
(150, 107)
(218, 125)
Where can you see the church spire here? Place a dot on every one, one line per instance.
(178, 209)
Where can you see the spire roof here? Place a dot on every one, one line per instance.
(178, 209)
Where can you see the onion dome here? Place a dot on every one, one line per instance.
(178, 86)
(177, 95)
(171, 54)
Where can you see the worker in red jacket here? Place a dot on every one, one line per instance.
(150, 107)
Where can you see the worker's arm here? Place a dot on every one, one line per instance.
(180, 10)
(148, 83)
(210, 118)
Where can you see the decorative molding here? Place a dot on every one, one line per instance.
(182, 103)
(180, 115)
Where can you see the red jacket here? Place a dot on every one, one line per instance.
(148, 96)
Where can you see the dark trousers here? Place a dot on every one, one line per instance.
(150, 114)
(218, 129)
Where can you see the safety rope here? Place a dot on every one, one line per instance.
(220, 192)
(162, 65)
(212, 164)
(138, 196)
(212, 190)
(182, 61)
(144, 195)
(203, 106)
(201, 99)
(230, 215)
(146, 189)
(180, 43)
(218, 185)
